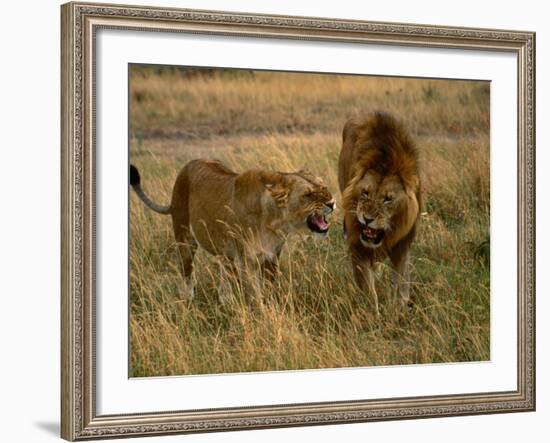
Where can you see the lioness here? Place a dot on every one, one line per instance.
(245, 217)
(379, 180)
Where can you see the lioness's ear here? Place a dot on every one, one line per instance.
(304, 172)
(279, 191)
(278, 188)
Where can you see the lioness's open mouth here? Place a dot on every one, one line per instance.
(317, 223)
(371, 235)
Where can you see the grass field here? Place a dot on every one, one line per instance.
(314, 316)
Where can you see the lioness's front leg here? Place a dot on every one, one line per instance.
(229, 277)
(270, 265)
(241, 275)
(364, 274)
(269, 269)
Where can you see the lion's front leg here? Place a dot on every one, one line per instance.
(365, 277)
(401, 276)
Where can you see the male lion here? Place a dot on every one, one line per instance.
(379, 180)
(245, 217)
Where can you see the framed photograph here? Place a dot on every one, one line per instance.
(277, 221)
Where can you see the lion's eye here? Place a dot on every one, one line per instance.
(387, 199)
(365, 193)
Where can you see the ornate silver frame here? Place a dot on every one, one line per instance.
(80, 21)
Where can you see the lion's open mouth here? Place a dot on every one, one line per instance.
(371, 236)
(317, 223)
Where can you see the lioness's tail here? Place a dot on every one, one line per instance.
(135, 182)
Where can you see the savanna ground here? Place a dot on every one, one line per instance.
(314, 316)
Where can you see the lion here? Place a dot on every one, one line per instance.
(244, 218)
(378, 177)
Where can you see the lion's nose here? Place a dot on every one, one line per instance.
(368, 221)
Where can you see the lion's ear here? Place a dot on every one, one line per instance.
(279, 191)
(413, 183)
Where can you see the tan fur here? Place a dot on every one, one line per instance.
(379, 180)
(245, 217)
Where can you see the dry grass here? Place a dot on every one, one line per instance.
(314, 317)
